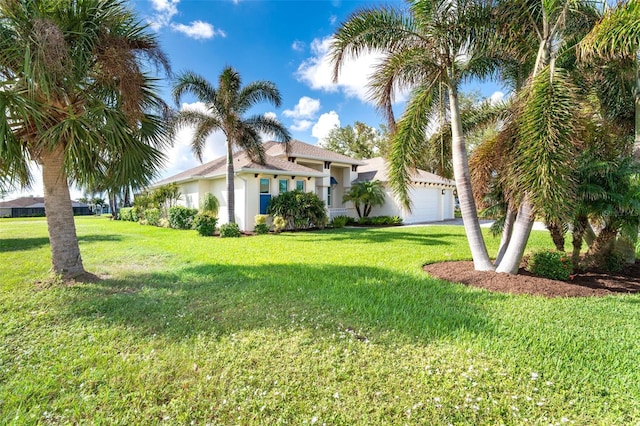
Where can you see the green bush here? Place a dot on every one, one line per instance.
(300, 209)
(339, 221)
(152, 216)
(230, 230)
(365, 221)
(261, 228)
(396, 220)
(205, 223)
(181, 217)
(128, 214)
(555, 265)
(614, 262)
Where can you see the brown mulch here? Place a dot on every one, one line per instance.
(582, 285)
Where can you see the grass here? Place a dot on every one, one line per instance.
(331, 327)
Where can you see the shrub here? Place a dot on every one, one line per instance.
(152, 216)
(396, 220)
(205, 223)
(261, 219)
(339, 221)
(209, 203)
(279, 223)
(181, 217)
(261, 226)
(364, 221)
(230, 230)
(128, 214)
(261, 229)
(164, 223)
(301, 210)
(613, 262)
(555, 265)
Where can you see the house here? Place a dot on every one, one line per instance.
(432, 196)
(300, 166)
(34, 206)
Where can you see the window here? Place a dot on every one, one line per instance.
(329, 196)
(264, 186)
(283, 185)
(300, 185)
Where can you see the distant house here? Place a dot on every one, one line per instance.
(34, 206)
(432, 196)
(308, 168)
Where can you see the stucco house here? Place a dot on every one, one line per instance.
(303, 166)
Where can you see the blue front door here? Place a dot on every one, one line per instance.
(264, 202)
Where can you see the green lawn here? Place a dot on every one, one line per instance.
(330, 327)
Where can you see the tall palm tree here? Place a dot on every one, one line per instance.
(434, 43)
(225, 107)
(76, 99)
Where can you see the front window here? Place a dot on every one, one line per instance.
(300, 185)
(329, 196)
(283, 184)
(264, 186)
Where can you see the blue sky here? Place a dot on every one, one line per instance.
(284, 41)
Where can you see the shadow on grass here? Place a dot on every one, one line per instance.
(221, 300)
(22, 244)
(386, 235)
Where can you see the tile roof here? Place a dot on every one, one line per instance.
(300, 149)
(376, 168)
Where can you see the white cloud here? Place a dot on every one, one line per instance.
(305, 108)
(165, 10)
(301, 125)
(317, 72)
(271, 115)
(327, 122)
(298, 46)
(198, 30)
(496, 97)
(333, 19)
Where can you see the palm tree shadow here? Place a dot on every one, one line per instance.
(25, 244)
(221, 300)
(382, 235)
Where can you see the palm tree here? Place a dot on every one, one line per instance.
(437, 43)
(366, 194)
(225, 107)
(76, 99)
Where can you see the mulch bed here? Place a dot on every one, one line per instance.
(582, 285)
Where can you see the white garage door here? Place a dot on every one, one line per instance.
(426, 205)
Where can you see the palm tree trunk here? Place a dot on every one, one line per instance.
(468, 209)
(507, 231)
(557, 235)
(521, 229)
(65, 252)
(579, 229)
(231, 211)
(601, 248)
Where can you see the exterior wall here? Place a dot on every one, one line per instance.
(189, 194)
(5, 211)
(428, 205)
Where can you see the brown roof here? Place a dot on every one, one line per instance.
(376, 169)
(241, 163)
(298, 149)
